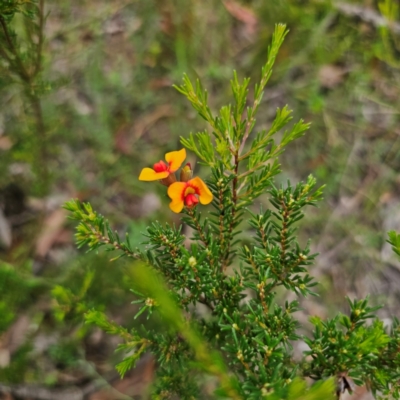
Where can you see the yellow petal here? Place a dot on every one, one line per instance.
(149, 174)
(176, 206)
(175, 159)
(175, 192)
(205, 195)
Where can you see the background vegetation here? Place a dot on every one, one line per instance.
(99, 106)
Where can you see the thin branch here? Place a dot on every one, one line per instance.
(28, 78)
(199, 229)
(221, 217)
(203, 300)
(3, 53)
(249, 124)
(367, 15)
(261, 164)
(106, 240)
(225, 259)
(23, 73)
(251, 121)
(201, 233)
(285, 218)
(42, 136)
(38, 65)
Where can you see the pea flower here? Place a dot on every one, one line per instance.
(163, 172)
(188, 194)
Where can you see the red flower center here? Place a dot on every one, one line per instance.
(191, 200)
(160, 166)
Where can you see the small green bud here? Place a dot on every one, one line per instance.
(150, 302)
(192, 261)
(268, 351)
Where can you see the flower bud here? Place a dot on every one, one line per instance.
(186, 173)
(160, 166)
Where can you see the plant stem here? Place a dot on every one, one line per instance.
(23, 73)
(201, 233)
(38, 65)
(42, 137)
(285, 218)
(28, 80)
(196, 222)
(221, 217)
(225, 260)
(203, 300)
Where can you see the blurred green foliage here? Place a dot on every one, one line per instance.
(17, 290)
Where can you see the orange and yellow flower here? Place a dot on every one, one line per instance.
(161, 170)
(188, 194)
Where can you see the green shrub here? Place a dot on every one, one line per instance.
(219, 292)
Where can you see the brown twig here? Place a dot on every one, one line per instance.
(116, 246)
(203, 300)
(38, 65)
